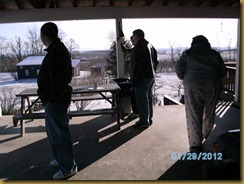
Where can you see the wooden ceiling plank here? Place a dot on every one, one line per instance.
(102, 3)
(64, 3)
(153, 2)
(37, 4)
(189, 3)
(20, 4)
(121, 3)
(84, 3)
(9, 5)
(165, 2)
(229, 3)
(24, 4)
(173, 3)
(138, 3)
(42, 4)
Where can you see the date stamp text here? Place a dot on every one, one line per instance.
(196, 156)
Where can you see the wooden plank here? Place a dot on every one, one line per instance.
(71, 114)
(95, 112)
(170, 101)
(92, 97)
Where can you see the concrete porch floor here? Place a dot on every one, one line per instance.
(104, 153)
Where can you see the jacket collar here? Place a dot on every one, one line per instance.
(57, 40)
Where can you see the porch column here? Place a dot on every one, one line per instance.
(238, 60)
(119, 52)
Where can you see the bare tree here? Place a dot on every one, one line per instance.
(9, 103)
(3, 46)
(178, 87)
(33, 43)
(229, 41)
(71, 45)
(16, 46)
(175, 53)
(111, 37)
(62, 34)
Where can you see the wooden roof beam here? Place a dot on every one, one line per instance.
(24, 4)
(102, 3)
(85, 3)
(165, 2)
(138, 2)
(8, 5)
(37, 4)
(121, 2)
(64, 3)
(190, 3)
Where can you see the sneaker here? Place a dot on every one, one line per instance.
(54, 163)
(60, 175)
(139, 125)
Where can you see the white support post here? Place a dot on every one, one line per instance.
(119, 52)
(238, 60)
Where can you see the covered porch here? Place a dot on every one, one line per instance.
(104, 153)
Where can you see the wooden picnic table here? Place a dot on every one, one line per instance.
(79, 93)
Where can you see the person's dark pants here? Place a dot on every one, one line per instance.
(144, 102)
(133, 102)
(57, 128)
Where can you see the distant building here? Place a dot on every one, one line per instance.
(29, 68)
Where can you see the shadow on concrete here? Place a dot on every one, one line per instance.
(184, 170)
(92, 140)
(193, 170)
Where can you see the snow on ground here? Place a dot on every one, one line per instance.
(166, 84)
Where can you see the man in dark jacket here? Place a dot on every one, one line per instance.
(55, 93)
(144, 63)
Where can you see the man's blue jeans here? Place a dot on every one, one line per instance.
(57, 128)
(143, 93)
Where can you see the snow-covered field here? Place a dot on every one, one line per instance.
(166, 84)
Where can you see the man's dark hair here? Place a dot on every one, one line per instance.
(50, 30)
(139, 33)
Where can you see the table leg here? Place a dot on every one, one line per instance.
(22, 123)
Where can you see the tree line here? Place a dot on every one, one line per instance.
(15, 49)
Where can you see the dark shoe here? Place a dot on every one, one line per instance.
(196, 149)
(150, 121)
(133, 116)
(140, 125)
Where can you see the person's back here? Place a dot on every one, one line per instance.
(200, 63)
(201, 69)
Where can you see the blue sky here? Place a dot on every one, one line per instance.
(93, 34)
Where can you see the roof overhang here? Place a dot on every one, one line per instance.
(117, 12)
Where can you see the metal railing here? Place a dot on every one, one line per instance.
(229, 80)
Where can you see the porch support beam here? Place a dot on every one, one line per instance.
(238, 60)
(119, 52)
(83, 13)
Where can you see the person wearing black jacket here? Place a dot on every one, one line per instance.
(144, 63)
(55, 94)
